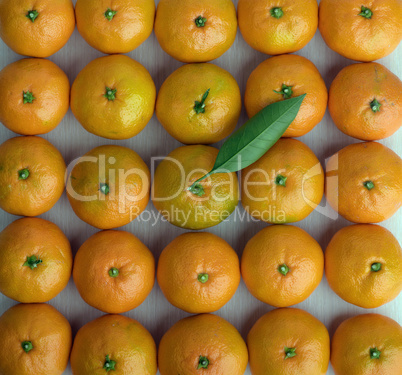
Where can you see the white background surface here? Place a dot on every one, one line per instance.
(156, 314)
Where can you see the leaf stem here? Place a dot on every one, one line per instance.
(200, 21)
(27, 346)
(27, 97)
(32, 262)
(109, 364)
(199, 107)
(366, 12)
(277, 12)
(32, 15)
(109, 14)
(203, 362)
(375, 106)
(289, 352)
(110, 94)
(287, 91)
(196, 188)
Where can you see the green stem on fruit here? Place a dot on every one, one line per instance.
(32, 262)
(277, 12)
(375, 106)
(109, 14)
(283, 269)
(110, 94)
(287, 91)
(280, 180)
(27, 346)
(109, 364)
(203, 362)
(27, 97)
(374, 353)
(199, 107)
(32, 15)
(23, 174)
(368, 185)
(200, 21)
(113, 272)
(375, 267)
(104, 188)
(197, 189)
(203, 278)
(366, 13)
(289, 352)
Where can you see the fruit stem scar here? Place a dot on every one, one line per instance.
(375, 267)
(113, 272)
(283, 269)
(289, 352)
(366, 12)
(27, 97)
(280, 180)
(27, 346)
(109, 14)
(110, 94)
(203, 278)
(104, 188)
(203, 362)
(287, 91)
(374, 353)
(197, 189)
(375, 105)
(199, 107)
(23, 174)
(369, 185)
(200, 21)
(32, 15)
(109, 364)
(32, 262)
(277, 12)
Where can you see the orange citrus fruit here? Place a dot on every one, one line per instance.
(36, 340)
(366, 345)
(32, 173)
(199, 104)
(282, 265)
(113, 97)
(109, 186)
(113, 344)
(36, 96)
(114, 271)
(288, 341)
(36, 260)
(215, 198)
(285, 185)
(365, 101)
(194, 31)
(36, 28)
(364, 182)
(277, 27)
(283, 77)
(363, 265)
(115, 27)
(205, 344)
(363, 31)
(198, 272)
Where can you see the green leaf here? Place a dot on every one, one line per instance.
(255, 137)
